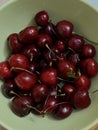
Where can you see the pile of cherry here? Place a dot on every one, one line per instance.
(49, 69)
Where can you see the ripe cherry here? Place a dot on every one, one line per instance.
(50, 104)
(88, 51)
(5, 72)
(65, 68)
(63, 110)
(64, 29)
(42, 18)
(81, 99)
(21, 105)
(49, 76)
(18, 60)
(82, 82)
(43, 40)
(31, 52)
(28, 35)
(14, 43)
(25, 81)
(9, 88)
(76, 42)
(39, 92)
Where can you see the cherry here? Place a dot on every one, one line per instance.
(63, 110)
(5, 72)
(82, 82)
(68, 90)
(74, 58)
(9, 88)
(49, 76)
(76, 42)
(33, 66)
(28, 35)
(25, 81)
(39, 92)
(42, 18)
(50, 30)
(61, 46)
(43, 40)
(31, 52)
(88, 51)
(81, 99)
(64, 29)
(20, 105)
(89, 66)
(14, 43)
(18, 60)
(50, 104)
(65, 68)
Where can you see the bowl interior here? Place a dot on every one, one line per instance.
(16, 15)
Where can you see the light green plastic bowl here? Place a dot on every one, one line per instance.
(17, 14)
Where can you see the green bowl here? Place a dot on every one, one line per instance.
(17, 14)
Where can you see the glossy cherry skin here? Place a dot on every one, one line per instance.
(18, 60)
(50, 104)
(76, 42)
(81, 99)
(82, 82)
(31, 52)
(89, 66)
(74, 58)
(21, 105)
(68, 90)
(25, 81)
(28, 35)
(42, 18)
(63, 110)
(9, 88)
(5, 72)
(88, 51)
(39, 92)
(43, 40)
(64, 67)
(14, 43)
(64, 29)
(49, 76)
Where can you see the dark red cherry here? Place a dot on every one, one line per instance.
(81, 99)
(88, 51)
(82, 82)
(68, 90)
(50, 104)
(76, 42)
(14, 43)
(61, 45)
(33, 66)
(74, 58)
(42, 18)
(28, 35)
(63, 110)
(64, 29)
(43, 40)
(91, 67)
(39, 92)
(5, 72)
(49, 76)
(21, 105)
(18, 60)
(65, 68)
(9, 88)
(31, 52)
(25, 81)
